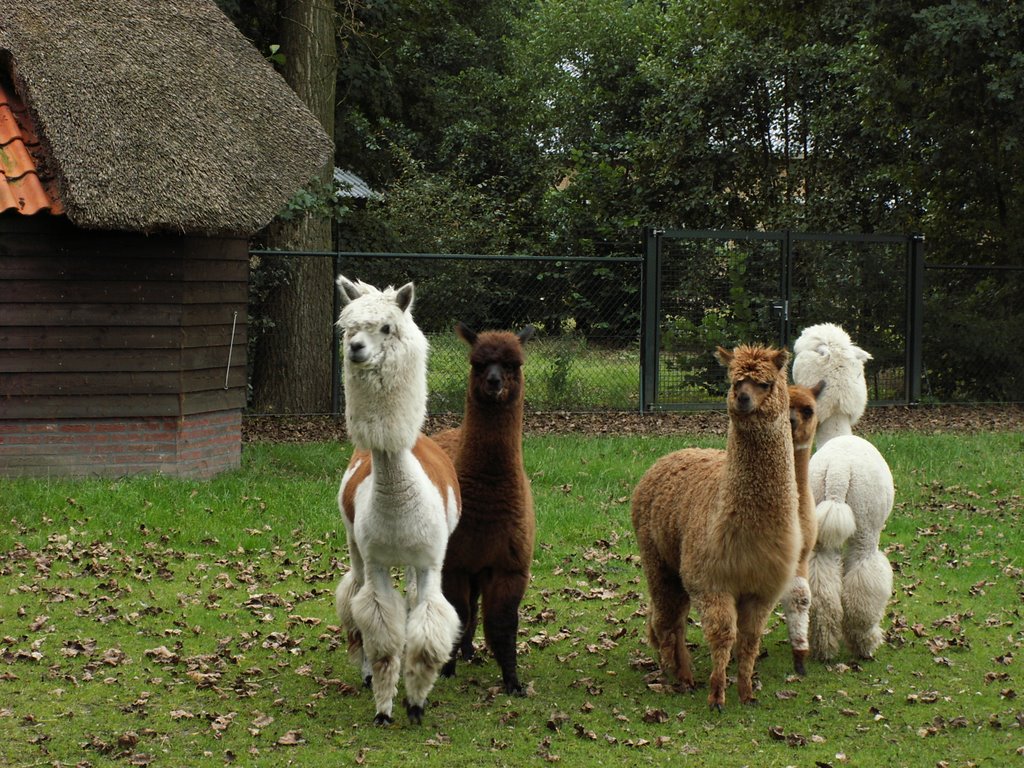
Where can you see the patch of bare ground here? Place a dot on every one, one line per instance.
(916, 418)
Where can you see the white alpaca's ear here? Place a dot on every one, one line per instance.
(405, 296)
(824, 351)
(860, 354)
(349, 291)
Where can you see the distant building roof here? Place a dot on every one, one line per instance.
(351, 185)
(157, 116)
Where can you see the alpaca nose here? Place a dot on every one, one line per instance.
(743, 400)
(357, 352)
(493, 379)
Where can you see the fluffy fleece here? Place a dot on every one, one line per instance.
(490, 552)
(721, 529)
(399, 499)
(850, 578)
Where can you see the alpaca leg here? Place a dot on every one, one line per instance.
(500, 595)
(718, 618)
(867, 587)
(379, 612)
(666, 623)
(797, 605)
(433, 628)
(346, 591)
(825, 577)
(751, 618)
(457, 589)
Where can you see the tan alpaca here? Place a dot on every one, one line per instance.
(721, 529)
(803, 421)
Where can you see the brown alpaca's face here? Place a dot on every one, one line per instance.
(803, 414)
(757, 379)
(497, 368)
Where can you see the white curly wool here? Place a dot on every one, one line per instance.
(850, 578)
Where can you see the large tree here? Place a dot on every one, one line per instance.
(292, 358)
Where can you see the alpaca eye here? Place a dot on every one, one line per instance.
(385, 329)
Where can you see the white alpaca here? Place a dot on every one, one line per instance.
(850, 578)
(399, 499)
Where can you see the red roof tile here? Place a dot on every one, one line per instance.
(21, 187)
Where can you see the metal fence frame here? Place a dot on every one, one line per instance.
(654, 240)
(650, 263)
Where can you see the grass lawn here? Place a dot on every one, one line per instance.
(161, 622)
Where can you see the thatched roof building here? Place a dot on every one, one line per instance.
(141, 144)
(159, 116)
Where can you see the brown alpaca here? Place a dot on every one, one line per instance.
(803, 422)
(489, 554)
(721, 529)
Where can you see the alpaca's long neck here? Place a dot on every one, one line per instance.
(384, 414)
(753, 454)
(394, 477)
(801, 467)
(835, 425)
(492, 434)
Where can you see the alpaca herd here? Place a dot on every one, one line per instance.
(731, 532)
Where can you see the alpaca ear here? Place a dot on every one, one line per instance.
(860, 354)
(818, 388)
(780, 358)
(349, 291)
(465, 333)
(823, 350)
(724, 356)
(405, 296)
(526, 334)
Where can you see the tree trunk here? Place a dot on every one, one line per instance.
(292, 359)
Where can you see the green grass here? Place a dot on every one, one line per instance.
(175, 623)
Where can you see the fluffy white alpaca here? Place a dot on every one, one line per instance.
(399, 499)
(850, 578)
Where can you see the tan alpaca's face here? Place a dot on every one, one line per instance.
(756, 378)
(803, 414)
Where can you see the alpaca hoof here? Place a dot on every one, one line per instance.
(382, 719)
(448, 670)
(514, 688)
(715, 706)
(752, 702)
(799, 662)
(368, 681)
(415, 713)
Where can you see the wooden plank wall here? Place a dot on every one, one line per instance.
(112, 324)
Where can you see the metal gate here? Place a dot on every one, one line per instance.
(706, 288)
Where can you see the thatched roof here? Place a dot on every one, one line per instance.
(159, 115)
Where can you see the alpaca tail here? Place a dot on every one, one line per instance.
(836, 524)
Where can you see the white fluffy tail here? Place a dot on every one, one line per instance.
(835, 525)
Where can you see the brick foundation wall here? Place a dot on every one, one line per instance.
(198, 445)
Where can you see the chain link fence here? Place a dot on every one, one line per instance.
(590, 336)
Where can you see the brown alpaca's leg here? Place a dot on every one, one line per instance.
(751, 618)
(666, 624)
(501, 593)
(718, 618)
(457, 590)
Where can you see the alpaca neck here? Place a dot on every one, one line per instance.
(801, 465)
(758, 453)
(384, 415)
(492, 434)
(392, 475)
(834, 426)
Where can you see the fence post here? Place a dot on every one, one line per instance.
(335, 342)
(915, 318)
(649, 337)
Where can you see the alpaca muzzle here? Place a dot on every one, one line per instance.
(358, 352)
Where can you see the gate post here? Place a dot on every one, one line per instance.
(649, 336)
(915, 318)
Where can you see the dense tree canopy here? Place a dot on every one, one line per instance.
(563, 126)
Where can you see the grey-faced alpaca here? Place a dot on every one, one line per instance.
(720, 529)
(399, 500)
(490, 552)
(850, 578)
